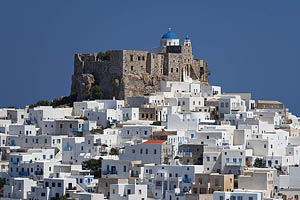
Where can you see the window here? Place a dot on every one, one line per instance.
(133, 150)
(221, 198)
(141, 151)
(208, 158)
(53, 184)
(171, 70)
(154, 151)
(222, 105)
(146, 151)
(61, 125)
(131, 68)
(43, 194)
(58, 184)
(226, 104)
(215, 158)
(124, 168)
(131, 57)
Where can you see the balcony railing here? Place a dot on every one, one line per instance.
(187, 180)
(77, 130)
(185, 154)
(38, 173)
(109, 172)
(238, 164)
(23, 173)
(135, 175)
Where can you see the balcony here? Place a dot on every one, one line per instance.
(77, 130)
(233, 164)
(185, 154)
(71, 188)
(109, 172)
(126, 118)
(38, 173)
(187, 180)
(134, 175)
(23, 174)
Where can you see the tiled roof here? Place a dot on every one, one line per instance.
(154, 141)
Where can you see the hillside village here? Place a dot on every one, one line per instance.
(186, 140)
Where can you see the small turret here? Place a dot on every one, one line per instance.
(187, 41)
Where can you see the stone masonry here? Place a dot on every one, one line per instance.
(134, 73)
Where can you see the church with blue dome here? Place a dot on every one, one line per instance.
(128, 73)
(169, 35)
(169, 39)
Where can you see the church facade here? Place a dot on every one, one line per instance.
(134, 73)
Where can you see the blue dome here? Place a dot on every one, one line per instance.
(169, 35)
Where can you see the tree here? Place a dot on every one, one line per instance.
(248, 163)
(103, 56)
(93, 165)
(2, 183)
(156, 123)
(260, 163)
(94, 93)
(40, 103)
(63, 197)
(114, 151)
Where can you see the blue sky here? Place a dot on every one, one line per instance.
(251, 46)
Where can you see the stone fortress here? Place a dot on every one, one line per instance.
(125, 73)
